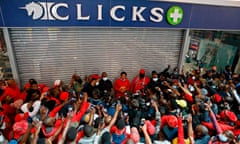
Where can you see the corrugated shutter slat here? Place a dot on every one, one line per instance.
(47, 54)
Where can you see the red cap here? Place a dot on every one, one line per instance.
(41, 86)
(45, 89)
(20, 128)
(95, 76)
(142, 71)
(217, 98)
(175, 81)
(230, 115)
(27, 86)
(172, 121)
(19, 117)
(64, 96)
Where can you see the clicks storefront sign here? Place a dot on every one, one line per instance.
(110, 13)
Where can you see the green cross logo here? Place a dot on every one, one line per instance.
(174, 15)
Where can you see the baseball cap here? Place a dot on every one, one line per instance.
(20, 128)
(172, 121)
(217, 98)
(95, 76)
(142, 71)
(181, 103)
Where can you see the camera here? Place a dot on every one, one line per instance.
(118, 102)
(70, 109)
(185, 117)
(142, 122)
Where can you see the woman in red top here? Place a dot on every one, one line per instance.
(121, 85)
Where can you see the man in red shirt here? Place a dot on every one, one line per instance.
(139, 82)
(12, 91)
(121, 85)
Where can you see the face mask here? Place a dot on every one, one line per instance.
(155, 79)
(3, 126)
(174, 86)
(222, 138)
(191, 88)
(2, 139)
(193, 77)
(104, 78)
(97, 83)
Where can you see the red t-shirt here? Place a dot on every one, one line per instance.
(121, 84)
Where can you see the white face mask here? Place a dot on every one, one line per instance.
(155, 79)
(191, 88)
(105, 78)
(174, 86)
(222, 138)
(97, 83)
(2, 139)
(3, 126)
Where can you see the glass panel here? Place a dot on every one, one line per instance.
(212, 48)
(5, 68)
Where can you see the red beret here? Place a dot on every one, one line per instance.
(172, 121)
(20, 128)
(217, 98)
(64, 96)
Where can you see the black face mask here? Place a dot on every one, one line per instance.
(141, 75)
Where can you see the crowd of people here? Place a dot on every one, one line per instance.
(197, 107)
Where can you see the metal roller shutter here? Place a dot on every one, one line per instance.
(47, 54)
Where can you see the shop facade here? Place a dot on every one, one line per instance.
(51, 40)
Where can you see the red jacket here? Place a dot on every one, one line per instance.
(14, 93)
(138, 84)
(121, 84)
